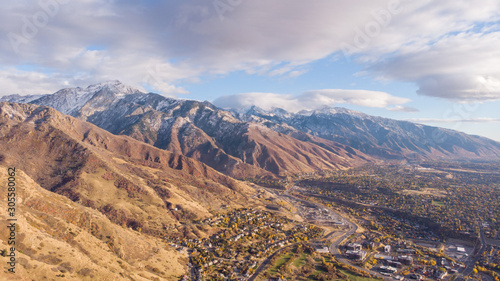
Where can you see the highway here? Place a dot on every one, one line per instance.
(471, 262)
(334, 247)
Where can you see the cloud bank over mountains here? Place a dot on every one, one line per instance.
(310, 100)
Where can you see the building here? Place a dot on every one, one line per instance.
(354, 247)
(322, 249)
(394, 264)
(441, 275)
(407, 260)
(356, 254)
(406, 251)
(387, 269)
(387, 248)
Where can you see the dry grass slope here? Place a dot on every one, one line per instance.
(94, 206)
(57, 237)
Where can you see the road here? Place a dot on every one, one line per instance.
(469, 265)
(266, 262)
(331, 234)
(192, 271)
(334, 247)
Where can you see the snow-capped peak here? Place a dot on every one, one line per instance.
(115, 86)
(71, 100)
(337, 110)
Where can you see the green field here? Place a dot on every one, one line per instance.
(318, 268)
(352, 277)
(300, 261)
(437, 203)
(279, 263)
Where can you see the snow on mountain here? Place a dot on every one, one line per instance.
(199, 130)
(380, 137)
(20, 99)
(255, 141)
(71, 100)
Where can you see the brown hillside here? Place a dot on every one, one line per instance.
(134, 184)
(60, 239)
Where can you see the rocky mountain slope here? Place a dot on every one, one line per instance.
(104, 172)
(200, 131)
(69, 156)
(84, 192)
(259, 143)
(376, 136)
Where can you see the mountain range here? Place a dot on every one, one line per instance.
(91, 205)
(104, 172)
(378, 137)
(260, 143)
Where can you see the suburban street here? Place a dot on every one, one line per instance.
(334, 246)
(471, 262)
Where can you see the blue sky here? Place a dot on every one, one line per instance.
(433, 62)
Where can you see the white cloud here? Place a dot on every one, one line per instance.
(310, 100)
(461, 67)
(13, 81)
(400, 108)
(442, 45)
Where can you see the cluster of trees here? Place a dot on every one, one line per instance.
(290, 256)
(490, 258)
(244, 234)
(456, 200)
(314, 266)
(489, 272)
(349, 268)
(269, 182)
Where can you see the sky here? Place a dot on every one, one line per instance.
(435, 62)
